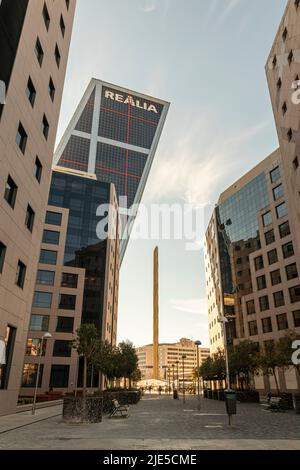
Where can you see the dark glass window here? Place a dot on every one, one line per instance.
(45, 278)
(50, 237)
(62, 348)
(259, 263)
(267, 325)
(252, 328)
(2, 255)
(296, 163)
(275, 277)
(270, 237)
(48, 257)
(29, 219)
(282, 322)
(39, 52)
(39, 323)
(30, 92)
(21, 138)
(51, 89)
(291, 271)
(278, 192)
(10, 193)
(59, 376)
(38, 169)
(278, 299)
(281, 210)
(261, 282)
(46, 16)
(69, 280)
(42, 300)
(65, 325)
(9, 341)
(272, 256)
(57, 56)
(250, 307)
(67, 302)
(20, 275)
(53, 218)
(33, 347)
(295, 294)
(264, 303)
(67, 4)
(267, 218)
(288, 250)
(29, 376)
(284, 230)
(45, 127)
(275, 175)
(296, 316)
(62, 25)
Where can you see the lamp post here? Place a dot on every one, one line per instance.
(198, 343)
(173, 377)
(178, 385)
(169, 380)
(45, 337)
(183, 357)
(224, 321)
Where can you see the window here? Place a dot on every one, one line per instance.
(279, 84)
(38, 169)
(275, 277)
(281, 211)
(67, 302)
(290, 134)
(45, 127)
(267, 219)
(21, 138)
(39, 323)
(282, 322)
(284, 230)
(239, 261)
(259, 263)
(39, 52)
(29, 376)
(297, 2)
(53, 218)
(48, 257)
(67, 4)
(288, 250)
(296, 316)
(45, 278)
(290, 57)
(296, 163)
(59, 376)
(62, 26)
(291, 271)
(270, 237)
(30, 92)
(252, 328)
(278, 299)
(261, 282)
(46, 16)
(295, 294)
(274, 61)
(65, 325)
(278, 192)
(284, 108)
(29, 219)
(2, 255)
(51, 89)
(267, 325)
(20, 275)
(33, 347)
(10, 193)
(272, 256)
(284, 34)
(50, 237)
(69, 280)
(42, 300)
(275, 175)
(62, 348)
(9, 341)
(250, 307)
(57, 56)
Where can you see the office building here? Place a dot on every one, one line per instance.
(34, 42)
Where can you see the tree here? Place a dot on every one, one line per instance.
(270, 360)
(87, 344)
(128, 360)
(285, 351)
(244, 361)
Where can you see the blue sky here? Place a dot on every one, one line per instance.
(207, 58)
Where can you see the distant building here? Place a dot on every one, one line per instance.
(169, 354)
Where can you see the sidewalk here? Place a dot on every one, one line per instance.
(19, 420)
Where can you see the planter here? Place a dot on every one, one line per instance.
(248, 396)
(78, 410)
(296, 402)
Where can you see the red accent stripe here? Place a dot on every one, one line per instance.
(103, 108)
(75, 163)
(127, 151)
(130, 175)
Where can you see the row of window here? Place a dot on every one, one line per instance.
(281, 211)
(278, 298)
(44, 300)
(275, 276)
(47, 278)
(284, 231)
(10, 196)
(59, 377)
(21, 268)
(267, 326)
(61, 348)
(272, 255)
(47, 20)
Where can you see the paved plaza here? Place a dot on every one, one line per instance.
(157, 423)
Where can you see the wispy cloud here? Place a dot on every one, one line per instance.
(192, 306)
(148, 6)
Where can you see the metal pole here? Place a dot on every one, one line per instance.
(173, 370)
(226, 357)
(198, 376)
(183, 379)
(37, 377)
(178, 377)
(169, 377)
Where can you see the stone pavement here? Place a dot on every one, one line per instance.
(162, 423)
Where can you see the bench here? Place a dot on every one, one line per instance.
(276, 404)
(118, 410)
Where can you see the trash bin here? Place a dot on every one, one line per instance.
(175, 395)
(230, 400)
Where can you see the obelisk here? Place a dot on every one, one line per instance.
(155, 316)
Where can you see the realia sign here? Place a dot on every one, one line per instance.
(110, 95)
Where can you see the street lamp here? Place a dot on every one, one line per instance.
(44, 338)
(198, 343)
(183, 357)
(169, 380)
(224, 321)
(173, 376)
(178, 385)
